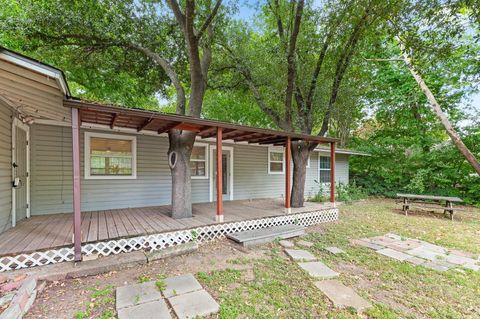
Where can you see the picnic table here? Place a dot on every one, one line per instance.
(444, 203)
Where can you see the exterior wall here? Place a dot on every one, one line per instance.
(5, 167)
(35, 94)
(51, 177)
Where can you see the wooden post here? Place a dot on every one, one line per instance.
(288, 156)
(77, 218)
(332, 172)
(219, 216)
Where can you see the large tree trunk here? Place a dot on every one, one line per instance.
(300, 153)
(438, 110)
(181, 144)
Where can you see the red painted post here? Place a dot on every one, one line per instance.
(332, 172)
(219, 216)
(77, 218)
(288, 156)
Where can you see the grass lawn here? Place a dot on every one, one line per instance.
(397, 289)
(263, 283)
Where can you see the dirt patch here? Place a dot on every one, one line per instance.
(65, 299)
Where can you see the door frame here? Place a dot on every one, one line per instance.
(212, 154)
(17, 123)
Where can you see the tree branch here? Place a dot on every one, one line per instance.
(342, 65)
(209, 19)
(179, 16)
(291, 65)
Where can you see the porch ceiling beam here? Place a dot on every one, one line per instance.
(206, 130)
(248, 137)
(167, 127)
(144, 125)
(187, 127)
(264, 138)
(235, 133)
(273, 141)
(114, 120)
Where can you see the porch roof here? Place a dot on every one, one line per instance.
(143, 120)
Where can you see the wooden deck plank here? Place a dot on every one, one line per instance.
(146, 222)
(120, 227)
(49, 239)
(127, 223)
(85, 225)
(111, 226)
(62, 233)
(39, 232)
(93, 230)
(102, 226)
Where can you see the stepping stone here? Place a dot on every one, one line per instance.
(434, 248)
(342, 296)
(194, 304)
(250, 238)
(132, 295)
(415, 260)
(364, 243)
(318, 269)
(304, 243)
(398, 255)
(180, 285)
(438, 265)
(334, 250)
(150, 310)
(459, 260)
(286, 244)
(473, 267)
(393, 236)
(300, 255)
(426, 253)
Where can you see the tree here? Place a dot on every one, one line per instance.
(295, 81)
(145, 33)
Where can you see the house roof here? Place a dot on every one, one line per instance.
(37, 66)
(143, 120)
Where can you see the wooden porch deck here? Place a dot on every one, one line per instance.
(56, 230)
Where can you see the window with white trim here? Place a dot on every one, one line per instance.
(198, 161)
(324, 169)
(110, 156)
(276, 161)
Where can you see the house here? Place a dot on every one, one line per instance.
(60, 155)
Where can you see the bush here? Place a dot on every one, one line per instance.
(350, 192)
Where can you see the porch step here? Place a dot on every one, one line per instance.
(261, 236)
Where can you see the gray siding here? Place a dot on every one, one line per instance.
(5, 167)
(51, 178)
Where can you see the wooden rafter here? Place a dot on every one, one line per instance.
(114, 120)
(145, 124)
(167, 127)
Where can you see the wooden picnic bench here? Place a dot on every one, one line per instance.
(430, 202)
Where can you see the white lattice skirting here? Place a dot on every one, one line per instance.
(164, 240)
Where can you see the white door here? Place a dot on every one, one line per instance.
(227, 174)
(20, 172)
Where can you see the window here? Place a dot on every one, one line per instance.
(276, 161)
(198, 162)
(324, 169)
(109, 156)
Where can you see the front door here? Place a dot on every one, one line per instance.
(20, 181)
(226, 173)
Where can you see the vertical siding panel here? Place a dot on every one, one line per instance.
(5, 167)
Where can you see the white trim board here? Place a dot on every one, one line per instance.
(210, 181)
(86, 155)
(17, 123)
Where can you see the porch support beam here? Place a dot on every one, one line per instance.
(288, 156)
(114, 120)
(332, 172)
(77, 215)
(219, 216)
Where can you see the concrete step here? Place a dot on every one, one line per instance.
(261, 236)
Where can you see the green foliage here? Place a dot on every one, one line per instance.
(350, 192)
